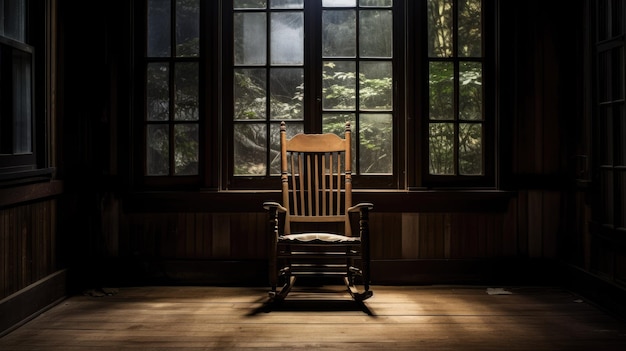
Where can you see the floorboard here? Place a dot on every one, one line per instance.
(398, 318)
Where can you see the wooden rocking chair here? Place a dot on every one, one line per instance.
(317, 191)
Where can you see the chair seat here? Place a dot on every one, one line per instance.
(318, 238)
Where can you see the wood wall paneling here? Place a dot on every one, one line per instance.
(27, 245)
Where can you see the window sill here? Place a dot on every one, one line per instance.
(25, 176)
(21, 187)
(384, 201)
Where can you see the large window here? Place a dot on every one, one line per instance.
(610, 119)
(411, 77)
(16, 89)
(316, 65)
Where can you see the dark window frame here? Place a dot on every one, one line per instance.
(312, 124)
(410, 114)
(208, 151)
(422, 177)
(32, 164)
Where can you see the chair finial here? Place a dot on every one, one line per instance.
(282, 126)
(348, 126)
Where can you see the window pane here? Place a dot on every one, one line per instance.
(158, 149)
(339, 33)
(292, 129)
(287, 46)
(287, 4)
(441, 148)
(250, 42)
(250, 149)
(622, 136)
(249, 4)
(607, 191)
(604, 76)
(336, 123)
(441, 94)
(375, 33)
(470, 149)
(287, 93)
(187, 27)
(470, 28)
(339, 3)
(157, 91)
(186, 82)
(470, 91)
(375, 3)
(22, 103)
(617, 70)
(606, 135)
(339, 85)
(186, 149)
(375, 85)
(250, 94)
(13, 19)
(440, 28)
(622, 184)
(376, 144)
(159, 26)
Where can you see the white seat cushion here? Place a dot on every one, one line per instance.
(319, 237)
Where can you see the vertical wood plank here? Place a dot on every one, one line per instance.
(447, 235)
(190, 235)
(551, 223)
(410, 235)
(522, 223)
(4, 254)
(198, 235)
(239, 235)
(378, 236)
(535, 223)
(221, 236)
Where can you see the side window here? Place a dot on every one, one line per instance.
(16, 89)
(456, 129)
(171, 123)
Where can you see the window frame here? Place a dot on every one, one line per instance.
(410, 125)
(14, 164)
(423, 178)
(207, 176)
(312, 105)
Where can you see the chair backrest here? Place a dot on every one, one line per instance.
(316, 178)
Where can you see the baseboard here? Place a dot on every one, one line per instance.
(384, 272)
(31, 301)
(605, 294)
(514, 271)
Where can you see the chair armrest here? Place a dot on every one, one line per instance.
(361, 206)
(271, 204)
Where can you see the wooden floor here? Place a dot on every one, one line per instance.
(396, 318)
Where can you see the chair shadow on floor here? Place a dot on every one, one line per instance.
(317, 299)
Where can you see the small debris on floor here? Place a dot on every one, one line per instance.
(498, 291)
(100, 292)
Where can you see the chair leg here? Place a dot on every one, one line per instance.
(277, 296)
(355, 293)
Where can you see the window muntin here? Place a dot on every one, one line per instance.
(172, 85)
(352, 75)
(456, 114)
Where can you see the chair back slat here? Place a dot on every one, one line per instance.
(315, 172)
(324, 189)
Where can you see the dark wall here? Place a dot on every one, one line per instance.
(540, 106)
